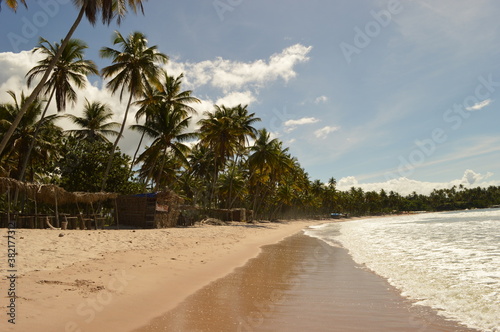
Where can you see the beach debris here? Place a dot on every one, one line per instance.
(213, 221)
(61, 234)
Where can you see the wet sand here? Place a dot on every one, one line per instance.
(300, 284)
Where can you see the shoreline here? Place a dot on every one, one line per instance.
(109, 279)
(301, 284)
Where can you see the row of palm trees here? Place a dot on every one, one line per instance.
(216, 165)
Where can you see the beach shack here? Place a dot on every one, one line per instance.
(51, 195)
(152, 210)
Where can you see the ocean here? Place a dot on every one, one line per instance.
(447, 261)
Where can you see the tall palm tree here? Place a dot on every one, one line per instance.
(168, 92)
(268, 163)
(168, 131)
(94, 122)
(135, 66)
(244, 121)
(225, 131)
(70, 69)
(219, 133)
(92, 9)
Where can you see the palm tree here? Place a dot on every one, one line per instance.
(167, 129)
(268, 163)
(134, 67)
(107, 9)
(225, 132)
(70, 69)
(170, 93)
(94, 122)
(13, 4)
(198, 176)
(46, 146)
(244, 121)
(265, 154)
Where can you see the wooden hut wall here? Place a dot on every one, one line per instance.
(168, 209)
(132, 211)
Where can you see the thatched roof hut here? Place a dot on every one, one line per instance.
(52, 194)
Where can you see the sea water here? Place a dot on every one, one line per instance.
(448, 261)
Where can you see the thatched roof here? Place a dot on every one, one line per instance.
(47, 193)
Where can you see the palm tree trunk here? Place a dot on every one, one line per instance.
(35, 135)
(230, 199)
(157, 186)
(40, 85)
(112, 153)
(214, 183)
(135, 154)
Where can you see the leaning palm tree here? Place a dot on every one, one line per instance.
(94, 123)
(135, 66)
(70, 69)
(92, 9)
(169, 93)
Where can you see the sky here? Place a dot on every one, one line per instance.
(395, 94)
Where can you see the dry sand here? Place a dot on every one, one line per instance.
(109, 280)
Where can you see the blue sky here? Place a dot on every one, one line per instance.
(379, 94)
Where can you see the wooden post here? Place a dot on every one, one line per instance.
(116, 215)
(57, 210)
(94, 217)
(36, 213)
(8, 206)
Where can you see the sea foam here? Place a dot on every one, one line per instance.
(448, 261)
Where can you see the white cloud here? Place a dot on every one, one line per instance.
(291, 125)
(323, 132)
(480, 106)
(14, 68)
(321, 100)
(470, 177)
(236, 98)
(405, 186)
(230, 75)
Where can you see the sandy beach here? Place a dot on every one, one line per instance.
(110, 280)
(204, 278)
